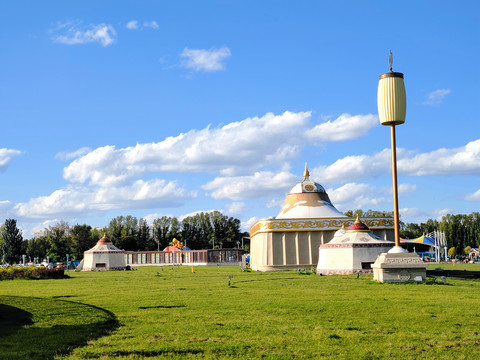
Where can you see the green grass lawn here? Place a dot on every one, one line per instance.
(174, 313)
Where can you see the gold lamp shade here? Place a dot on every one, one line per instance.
(391, 99)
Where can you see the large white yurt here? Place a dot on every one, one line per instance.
(104, 256)
(306, 220)
(351, 251)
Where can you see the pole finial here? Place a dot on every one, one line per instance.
(306, 173)
(390, 60)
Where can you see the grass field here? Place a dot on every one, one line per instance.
(174, 313)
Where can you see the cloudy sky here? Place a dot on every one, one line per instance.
(151, 108)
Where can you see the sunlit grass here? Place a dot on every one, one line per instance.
(174, 313)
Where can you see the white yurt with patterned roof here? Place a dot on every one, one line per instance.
(351, 251)
(104, 256)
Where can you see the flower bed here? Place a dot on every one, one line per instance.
(30, 272)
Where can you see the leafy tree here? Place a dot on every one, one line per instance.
(452, 252)
(369, 213)
(82, 240)
(123, 232)
(161, 228)
(144, 240)
(11, 241)
(38, 248)
(60, 241)
(191, 231)
(466, 251)
(174, 231)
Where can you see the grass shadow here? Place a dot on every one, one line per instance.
(13, 319)
(161, 307)
(50, 327)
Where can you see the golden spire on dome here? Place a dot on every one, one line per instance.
(357, 220)
(306, 173)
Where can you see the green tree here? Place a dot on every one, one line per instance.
(174, 231)
(123, 232)
(452, 252)
(60, 241)
(161, 228)
(466, 251)
(38, 248)
(145, 242)
(11, 241)
(82, 240)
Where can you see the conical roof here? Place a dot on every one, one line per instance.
(357, 233)
(104, 245)
(308, 200)
(104, 240)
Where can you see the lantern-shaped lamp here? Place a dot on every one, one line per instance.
(391, 97)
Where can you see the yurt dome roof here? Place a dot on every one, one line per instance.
(307, 200)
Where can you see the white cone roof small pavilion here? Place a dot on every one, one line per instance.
(104, 256)
(351, 251)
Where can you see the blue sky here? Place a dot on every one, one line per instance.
(152, 108)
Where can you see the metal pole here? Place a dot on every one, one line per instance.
(395, 186)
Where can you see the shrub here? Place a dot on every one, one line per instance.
(30, 272)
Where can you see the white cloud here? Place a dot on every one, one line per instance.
(235, 148)
(263, 184)
(235, 208)
(151, 24)
(205, 60)
(355, 167)
(150, 218)
(82, 200)
(345, 127)
(193, 213)
(464, 160)
(409, 213)
(6, 156)
(132, 25)
(461, 161)
(437, 97)
(473, 197)
(406, 189)
(102, 33)
(65, 156)
(246, 225)
(353, 196)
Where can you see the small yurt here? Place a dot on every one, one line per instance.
(351, 251)
(104, 256)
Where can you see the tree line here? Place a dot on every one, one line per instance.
(200, 231)
(462, 231)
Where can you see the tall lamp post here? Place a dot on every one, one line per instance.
(397, 264)
(392, 108)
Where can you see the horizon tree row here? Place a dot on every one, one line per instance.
(199, 231)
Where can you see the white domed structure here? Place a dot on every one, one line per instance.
(104, 256)
(354, 251)
(307, 220)
(307, 200)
